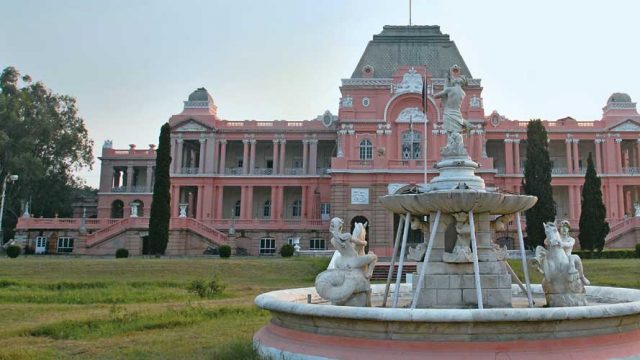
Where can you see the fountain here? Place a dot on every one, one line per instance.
(463, 303)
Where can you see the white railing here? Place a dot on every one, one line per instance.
(631, 170)
(190, 170)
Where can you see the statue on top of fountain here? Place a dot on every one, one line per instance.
(346, 281)
(564, 281)
(452, 96)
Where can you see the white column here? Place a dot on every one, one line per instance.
(568, 150)
(516, 144)
(149, 178)
(203, 143)
(252, 160)
(245, 156)
(275, 160)
(576, 157)
(305, 156)
(313, 156)
(179, 156)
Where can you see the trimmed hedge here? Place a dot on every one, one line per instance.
(287, 250)
(608, 254)
(122, 253)
(638, 250)
(224, 251)
(13, 251)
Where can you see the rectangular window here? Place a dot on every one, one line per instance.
(325, 211)
(267, 246)
(269, 164)
(317, 244)
(65, 245)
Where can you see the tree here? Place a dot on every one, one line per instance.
(44, 141)
(161, 202)
(593, 227)
(537, 182)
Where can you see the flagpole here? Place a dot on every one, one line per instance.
(424, 106)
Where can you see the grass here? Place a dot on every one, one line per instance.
(67, 308)
(55, 307)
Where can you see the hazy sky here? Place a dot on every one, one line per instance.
(131, 64)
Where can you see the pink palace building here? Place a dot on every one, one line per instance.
(256, 185)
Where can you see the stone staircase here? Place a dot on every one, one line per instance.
(381, 271)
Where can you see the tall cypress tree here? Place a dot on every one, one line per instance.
(537, 182)
(593, 227)
(161, 203)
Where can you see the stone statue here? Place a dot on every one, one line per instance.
(417, 253)
(346, 282)
(462, 250)
(563, 284)
(567, 243)
(452, 96)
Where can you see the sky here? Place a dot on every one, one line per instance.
(131, 63)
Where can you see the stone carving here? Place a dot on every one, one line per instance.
(346, 281)
(475, 102)
(191, 126)
(417, 253)
(409, 115)
(360, 196)
(563, 282)
(108, 144)
(462, 250)
(183, 210)
(346, 101)
(627, 126)
(411, 83)
(134, 209)
(454, 124)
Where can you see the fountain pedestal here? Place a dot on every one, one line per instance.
(450, 284)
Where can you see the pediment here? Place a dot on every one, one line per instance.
(191, 125)
(627, 125)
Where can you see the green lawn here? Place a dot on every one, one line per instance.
(57, 307)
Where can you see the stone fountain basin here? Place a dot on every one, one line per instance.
(608, 328)
(454, 201)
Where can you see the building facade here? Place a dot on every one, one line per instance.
(257, 185)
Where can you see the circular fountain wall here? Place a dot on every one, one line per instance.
(609, 327)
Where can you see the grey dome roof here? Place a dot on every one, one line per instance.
(410, 45)
(619, 98)
(201, 94)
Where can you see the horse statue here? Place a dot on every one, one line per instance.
(562, 283)
(346, 281)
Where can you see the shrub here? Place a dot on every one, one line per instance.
(287, 250)
(122, 253)
(638, 250)
(225, 251)
(206, 289)
(13, 251)
(607, 254)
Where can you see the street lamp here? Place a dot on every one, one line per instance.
(7, 179)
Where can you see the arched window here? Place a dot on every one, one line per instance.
(366, 150)
(266, 209)
(411, 145)
(236, 209)
(117, 209)
(296, 208)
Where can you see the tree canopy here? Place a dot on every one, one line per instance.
(593, 226)
(44, 142)
(537, 182)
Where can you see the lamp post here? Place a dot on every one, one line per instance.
(7, 179)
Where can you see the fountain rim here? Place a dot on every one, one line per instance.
(449, 201)
(629, 304)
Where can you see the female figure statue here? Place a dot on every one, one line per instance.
(452, 96)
